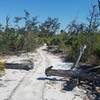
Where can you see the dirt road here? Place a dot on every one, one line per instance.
(36, 86)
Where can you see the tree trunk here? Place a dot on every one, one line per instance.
(25, 66)
(82, 75)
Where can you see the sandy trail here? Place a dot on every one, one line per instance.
(34, 86)
(31, 88)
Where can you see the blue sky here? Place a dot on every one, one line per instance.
(65, 10)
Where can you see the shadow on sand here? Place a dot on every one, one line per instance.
(70, 85)
(50, 79)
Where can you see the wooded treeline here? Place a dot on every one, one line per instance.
(32, 34)
(26, 33)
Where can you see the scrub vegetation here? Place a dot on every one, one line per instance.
(32, 34)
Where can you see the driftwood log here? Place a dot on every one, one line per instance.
(79, 74)
(25, 66)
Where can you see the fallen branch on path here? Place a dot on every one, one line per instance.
(79, 74)
(25, 66)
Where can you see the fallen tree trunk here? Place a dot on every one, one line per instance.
(81, 75)
(25, 66)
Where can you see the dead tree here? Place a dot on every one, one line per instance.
(80, 74)
(25, 66)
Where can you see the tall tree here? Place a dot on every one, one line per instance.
(7, 23)
(99, 4)
(50, 26)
